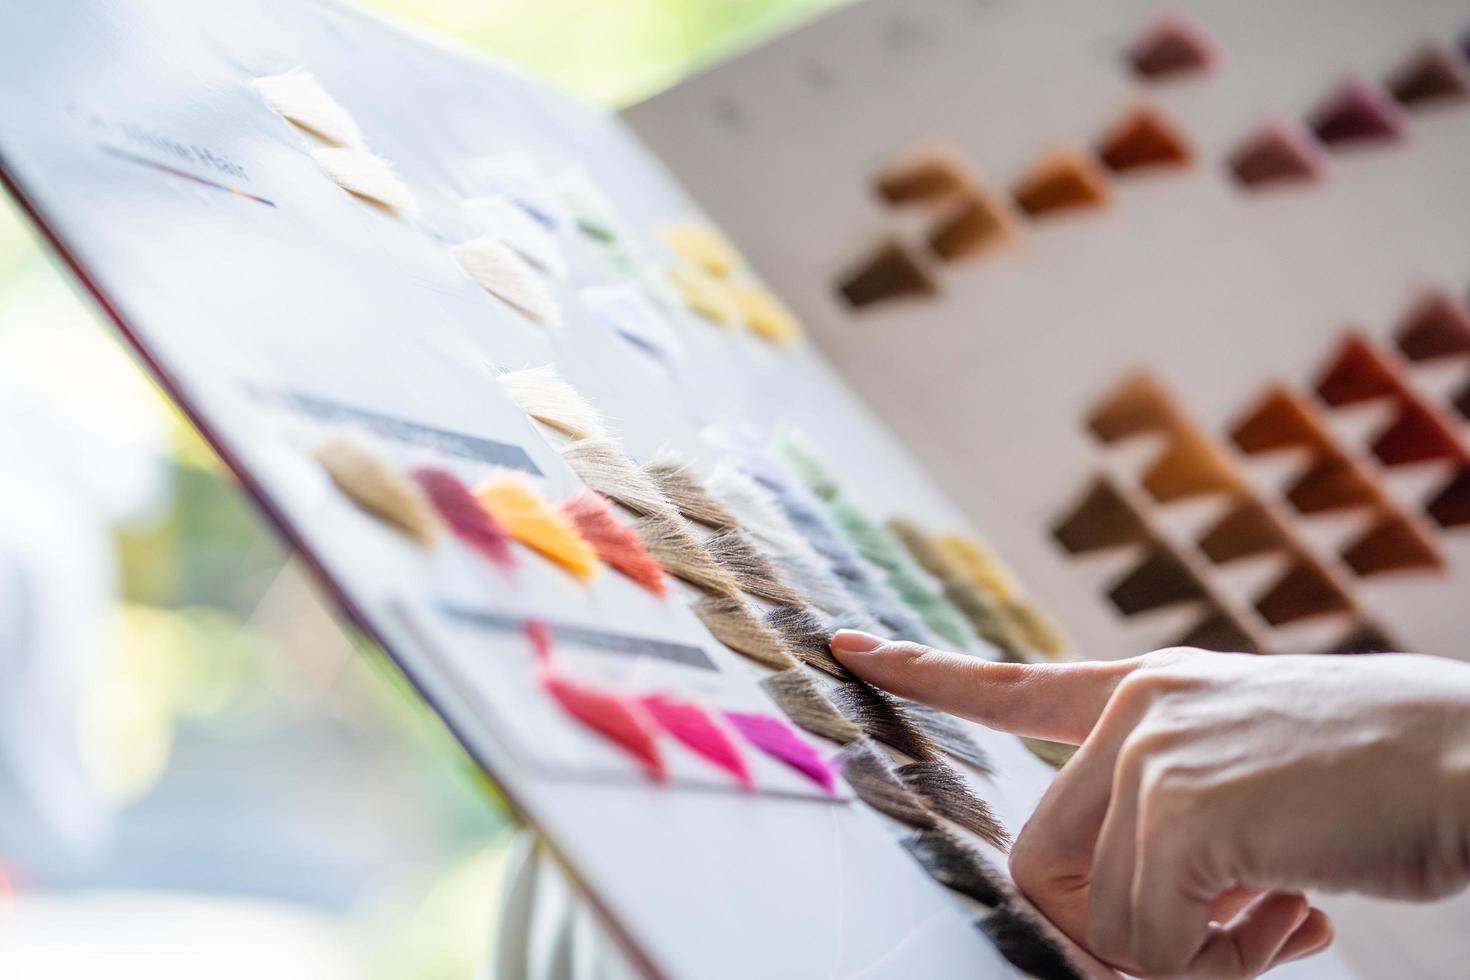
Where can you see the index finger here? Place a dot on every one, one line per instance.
(1057, 702)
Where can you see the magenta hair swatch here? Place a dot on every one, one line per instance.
(470, 522)
(620, 720)
(775, 738)
(693, 726)
(1357, 112)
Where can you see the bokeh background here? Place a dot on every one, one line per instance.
(198, 761)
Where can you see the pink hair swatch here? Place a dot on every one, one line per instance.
(693, 726)
(615, 542)
(775, 738)
(620, 720)
(470, 522)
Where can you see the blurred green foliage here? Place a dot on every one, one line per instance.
(612, 51)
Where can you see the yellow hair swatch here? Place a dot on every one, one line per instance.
(537, 524)
(705, 246)
(1035, 627)
(704, 294)
(979, 566)
(764, 314)
(379, 489)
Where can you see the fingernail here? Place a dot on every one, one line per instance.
(854, 641)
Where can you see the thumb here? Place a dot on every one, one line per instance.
(1057, 702)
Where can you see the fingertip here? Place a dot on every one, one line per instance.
(853, 642)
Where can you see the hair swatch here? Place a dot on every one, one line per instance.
(882, 717)
(695, 728)
(508, 223)
(799, 697)
(807, 466)
(1171, 46)
(817, 584)
(358, 172)
(683, 488)
(470, 522)
(542, 393)
(924, 549)
(987, 618)
(1034, 626)
(937, 611)
(615, 543)
(602, 465)
(731, 622)
(591, 210)
(502, 272)
(299, 98)
(951, 797)
(682, 555)
(704, 294)
(775, 738)
(704, 245)
(1054, 754)
(1357, 111)
(757, 511)
(733, 550)
(1276, 153)
(957, 866)
(764, 314)
(871, 540)
(892, 270)
(872, 778)
(629, 311)
(537, 524)
(1144, 139)
(975, 563)
(806, 635)
(1065, 181)
(948, 732)
(621, 720)
(379, 489)
(973, 225)
(1433, 75)
(1025, 943)
(928, 176)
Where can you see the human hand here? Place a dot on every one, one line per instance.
(1211, 789)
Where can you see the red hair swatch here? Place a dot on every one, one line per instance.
(470, 522)
(620, 720)
(775, 738)
(615, 542)
(693, 726)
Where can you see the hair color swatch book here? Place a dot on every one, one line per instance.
(488, 368)
(1170, 298)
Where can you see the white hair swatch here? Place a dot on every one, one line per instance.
(502, 272)
(359, 172)
(509, 223)
(542, 393)
(298, 97)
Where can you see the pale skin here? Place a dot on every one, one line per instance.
(1210, 791)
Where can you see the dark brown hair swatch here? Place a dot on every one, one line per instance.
(806, 636)
(957, 866)
(883, 718)
(947, 793)
(868, 772)
(1025, 942)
